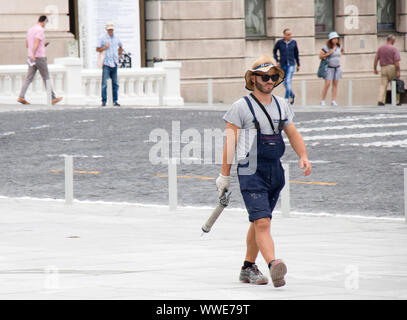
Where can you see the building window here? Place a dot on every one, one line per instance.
(255, 14)
(324, 16)
(386, 15)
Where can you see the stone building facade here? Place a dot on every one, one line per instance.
(18, 16)
(219, 39)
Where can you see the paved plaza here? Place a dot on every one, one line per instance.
(344, 239)
(125, 251)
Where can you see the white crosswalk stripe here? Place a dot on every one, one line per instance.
(355, 118)
(355, 126)
(370, 131)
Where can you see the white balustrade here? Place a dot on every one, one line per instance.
(59, 86)
(7, 84)
(141, 86)
(130, 87)
(12, 78)
(18, 82)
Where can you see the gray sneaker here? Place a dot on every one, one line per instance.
(277, 272)
(252, 275)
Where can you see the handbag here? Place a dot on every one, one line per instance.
(399, 86)
(323, 67)
(101, 59)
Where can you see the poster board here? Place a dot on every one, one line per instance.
(93, 16)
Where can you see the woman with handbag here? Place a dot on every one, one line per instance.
(332, 53)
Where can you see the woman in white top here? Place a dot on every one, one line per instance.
(332, 52)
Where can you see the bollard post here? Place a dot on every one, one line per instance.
(172, 184)
(161, 92)
(68, 180)
(350, 93)
(210, 91)
(109, 92)
(285, 193)
(405, 194)
(49, 92)
(303, 93)
(393, 93)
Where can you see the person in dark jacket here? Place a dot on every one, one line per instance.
(289, 57)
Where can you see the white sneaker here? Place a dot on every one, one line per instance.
(334, 103)
(322, 103)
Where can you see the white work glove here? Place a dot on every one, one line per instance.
(222, 182)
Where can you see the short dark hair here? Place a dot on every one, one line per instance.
(42, 19)
(285, 30)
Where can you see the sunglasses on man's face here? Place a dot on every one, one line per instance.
(266, 77)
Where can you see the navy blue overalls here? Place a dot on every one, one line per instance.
(261, 175)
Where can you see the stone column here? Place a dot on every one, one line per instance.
(172, 85)
(73, 79)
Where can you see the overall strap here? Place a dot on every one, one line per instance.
(278, 106)
(265, 111)
(256, 123)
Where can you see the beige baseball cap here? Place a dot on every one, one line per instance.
(109, 26)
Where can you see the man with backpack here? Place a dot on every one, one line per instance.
(389, 58)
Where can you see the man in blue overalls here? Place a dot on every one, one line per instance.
(254, 126)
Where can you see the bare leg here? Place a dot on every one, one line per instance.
(263, 239)
(252, 249)
(325, 89)
(334, 89)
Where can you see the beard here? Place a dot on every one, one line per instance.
(262, 88)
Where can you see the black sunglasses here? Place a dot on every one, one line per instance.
(266, 77)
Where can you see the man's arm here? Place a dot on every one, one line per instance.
(297, 142)
(276, 46)
(100, 49)
(120, 51)
(297, 56)
(229, 149)
(36, 44)
(376, 60)
(102, 46)
(397, 64)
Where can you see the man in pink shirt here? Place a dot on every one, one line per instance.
(389, 58)
(36, 44)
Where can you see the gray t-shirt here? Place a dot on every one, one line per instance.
(239, 114)
(334, 60)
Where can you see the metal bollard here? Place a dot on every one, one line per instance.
(350, 93)
(210, 91)
(172, 184)
(160, 92)
(393, 93)
(405, 194)
(68, 180)
(303, 93)
(285, 193)
(48, 89)
(109, 93)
